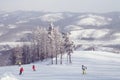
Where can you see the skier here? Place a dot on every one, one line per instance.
(19, 63)
(33, 68)
(21, 70)
(84, 69)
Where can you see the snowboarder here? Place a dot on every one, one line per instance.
(21, 70)
(84, 69)
(33, 68)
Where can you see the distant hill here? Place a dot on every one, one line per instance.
(92, 28)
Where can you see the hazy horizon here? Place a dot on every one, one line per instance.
(99, 6)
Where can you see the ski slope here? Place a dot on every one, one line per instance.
(100, 66)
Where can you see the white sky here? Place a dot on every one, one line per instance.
(61, 5)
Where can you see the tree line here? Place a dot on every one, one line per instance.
(44, 43)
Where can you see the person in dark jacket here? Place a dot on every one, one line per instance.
(84, 69)
(21, 70)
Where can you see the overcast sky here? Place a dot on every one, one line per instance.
(61, 5)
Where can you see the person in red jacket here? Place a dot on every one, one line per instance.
(21, 70)
(33, 68)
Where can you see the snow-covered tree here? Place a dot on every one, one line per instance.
(44, 43)
(68, 47)
(40, 43)
(17, 55)
(48, 42)
(26, 54)
(58, 39)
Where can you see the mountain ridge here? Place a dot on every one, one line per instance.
(102, 27)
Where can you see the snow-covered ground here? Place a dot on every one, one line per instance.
(100, 66)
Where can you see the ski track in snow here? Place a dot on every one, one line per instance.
(101, 66)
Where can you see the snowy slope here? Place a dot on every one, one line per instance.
(52, 17)
(89, 33)
(101, 66)
(93, 20)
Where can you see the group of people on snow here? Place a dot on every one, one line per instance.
(34, 69)
(22, 69)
